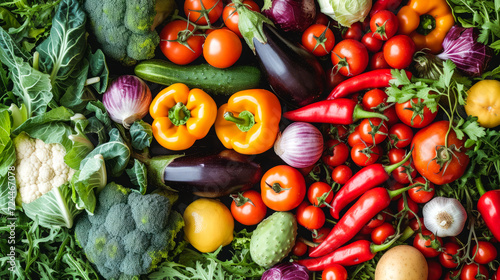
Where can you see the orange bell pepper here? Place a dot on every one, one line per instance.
(249, 121)
(427, 22)
(181, 116)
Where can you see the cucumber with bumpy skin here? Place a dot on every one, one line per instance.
(204, 76)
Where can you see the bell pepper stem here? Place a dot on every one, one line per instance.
(479, 186)
(359, 113)
(427, 24)
(179, 114)
(244, 121)
(393, 167)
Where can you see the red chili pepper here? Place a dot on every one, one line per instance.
(367, 206)
(391, 5)
(364, 180)
(373, 79)
(489, 207)
(337, 111)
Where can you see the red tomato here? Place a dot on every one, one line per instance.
(398, 51)
(320, 235)
(425, 241)
(336, 153)
(377, 61)
(395, 185)
(354, 138)
(299, 249)
(371, 43)
(429, 147)
(435, 271)
(198, 11)
(320, 193)
(354, 32)
(412, 205)
(381, 233)
(396, 155)
(230, 15)
(282, 188)
(333, 78)
(364, 155)
(311, 217)
(321, 19)
(222, 48)
(451, 274)
(341, 174)
(423, 192)
(350, 57)
(338, 131)
(414, 113)
(400, 135)
(384, 24)
(390, 113)
(334, 272)
(248, 208)
(173, 37)
(374, 100)
(484, 253)
(415, 225)
(473, 271)
(446, 259)
(377, 220)
(318, 39)
(405, 173)
(373, 130)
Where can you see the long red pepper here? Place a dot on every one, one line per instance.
(489, 207)
(368, 205)
(391, 5)
(352, 254)
(365, 179)
(337, 111)
(373, 79)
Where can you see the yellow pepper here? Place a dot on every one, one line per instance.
(427, 22)
(249, 122)
(181, 116)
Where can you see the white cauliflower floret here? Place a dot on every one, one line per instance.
(40, 167)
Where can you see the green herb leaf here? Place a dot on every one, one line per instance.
(138, 176)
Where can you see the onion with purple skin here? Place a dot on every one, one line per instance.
(461, 46)
(290, 15)
(286, 271)
(300, 145)
(127, 100)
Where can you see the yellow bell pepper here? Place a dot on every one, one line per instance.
(249, 121)
(181, 116)
(427, 22)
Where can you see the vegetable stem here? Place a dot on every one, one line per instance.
(244, 121)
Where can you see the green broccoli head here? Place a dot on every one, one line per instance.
(150, 212)
(82, 229)
(131, 244)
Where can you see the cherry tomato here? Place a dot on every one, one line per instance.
(451, 274)
(350, 57)
(364, 155)
(412, 205)
(173, 35)
(392, 117)
(405, 173)
(299, 249)
(400, 135)
(198, 11)
(354, 138)
(371, 43)
(373, 130)
(377, 221)
(318, 39)
(321, 235)
(384, 24)
(341, 174)
(485, 252)
(282, 188)
(354, 32)
(336, 153)
(421, 194)
(318, 193)
(450, 249)
(471, 271)
(425, 245)
(338, 131)
(374, 99)
(396, 155)
(321, 19)
(415, 225)
(435, 271)
(311, 217)
(222, 48)
(381, 233)
(334, 272)
(415, 113)
(231, 18)
(398, 51)
(377, 61)
(333, 78)
(248, 208)
(395, 185)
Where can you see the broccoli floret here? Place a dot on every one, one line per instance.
(119, 220)
(82, 229)
(132, 265)
(98, 238)
(115, 253)
(131, 244)
(145, 219)
(121, 27)
(110, 195)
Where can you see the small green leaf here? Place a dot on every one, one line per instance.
(141, 134)
(138, 176)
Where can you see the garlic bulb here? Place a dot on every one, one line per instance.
(444, 216)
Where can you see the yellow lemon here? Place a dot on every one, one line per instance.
(209, 224)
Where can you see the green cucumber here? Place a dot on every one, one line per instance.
(204, 76)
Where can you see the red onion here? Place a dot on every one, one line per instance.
(286, 271)
(299, 145)
(127, 100)
(290, 15)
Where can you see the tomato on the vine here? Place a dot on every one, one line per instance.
(400, 135)
(333, 78)
(446, 257)
(373, 130)
(415, 113)
(364, 155)
(371, 43)
(222, 48)
(421, 194)
(472, 271)
(354, 138)
(354, 32)
(485, 252)
(231, 18)
(384, 24)
(398, 51)
(334, 272)
(282, 188)
(427, 243)
(392, 117)
(311, 217)
(198, 11)
(374, 100)
(381, 233)
(174, 37)
(321, 19)
(412, 205)
(336, 153)
(341, 174)
(350, 57)
(248, 208)
(320, 193)
(318, 39)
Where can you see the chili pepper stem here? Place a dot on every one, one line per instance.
(393, 167)
(382, 247)
(407, 233)
(359, 113)
(244, 121)
(479, 186)
(397, 192)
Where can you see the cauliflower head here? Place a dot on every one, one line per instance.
(40, 167)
